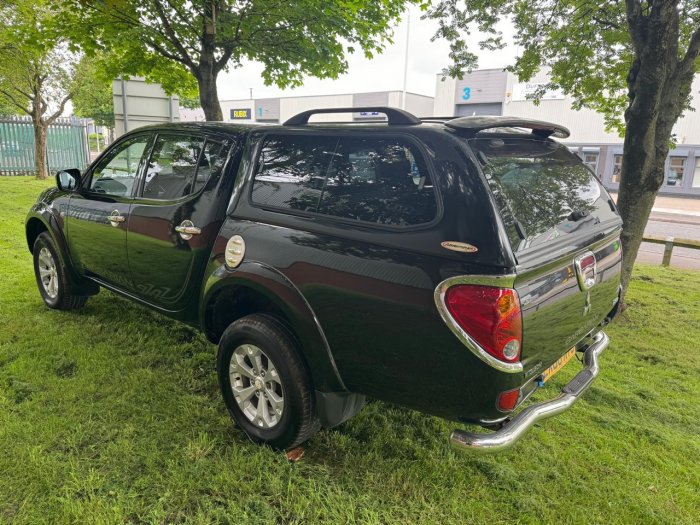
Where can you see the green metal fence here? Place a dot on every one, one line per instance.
(66, 145)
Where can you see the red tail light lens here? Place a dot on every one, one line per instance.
(491, 316)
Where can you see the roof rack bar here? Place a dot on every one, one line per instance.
(482, 123)
(436, 119)
(395, 116)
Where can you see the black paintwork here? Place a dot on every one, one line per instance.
(358, 298)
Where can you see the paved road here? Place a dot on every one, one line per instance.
(687, 227)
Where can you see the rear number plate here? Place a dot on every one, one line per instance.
(558, 365)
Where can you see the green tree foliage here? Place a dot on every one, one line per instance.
(93, 94)
(7, 109)
(185, 44)
(37, 67)
(189, 102)
(632, 61)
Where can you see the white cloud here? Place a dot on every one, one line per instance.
(383, 73)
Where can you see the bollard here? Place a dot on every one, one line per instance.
(668, 250)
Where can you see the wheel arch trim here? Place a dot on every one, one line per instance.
(279, 290)
(44, 215)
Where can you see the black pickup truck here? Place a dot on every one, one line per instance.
(448, 265)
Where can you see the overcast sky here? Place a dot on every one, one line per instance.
(383, 73)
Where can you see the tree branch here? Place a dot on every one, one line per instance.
(14, 102)
(221, 63)
(634, 23)
(172, 37)
(60, 109)
(167, 54)
(687, 64)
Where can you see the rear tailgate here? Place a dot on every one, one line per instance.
(556, 214)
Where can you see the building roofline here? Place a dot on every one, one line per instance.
(503, 69)
(329, 95)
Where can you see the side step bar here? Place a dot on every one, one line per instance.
(512, 431)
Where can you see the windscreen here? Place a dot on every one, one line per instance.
(543, 190)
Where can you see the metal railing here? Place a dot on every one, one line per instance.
(66, 145)
(669, 243)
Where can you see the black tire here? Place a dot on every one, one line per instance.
(60, 296)
(299, 420)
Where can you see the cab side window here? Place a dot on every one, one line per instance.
(171, 172)
(291, 171)
(116, 173)
(379, 180)
(374, 180)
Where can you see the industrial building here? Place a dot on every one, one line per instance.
(277, 110)
(498, 92)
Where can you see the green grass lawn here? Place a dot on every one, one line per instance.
(111, 414)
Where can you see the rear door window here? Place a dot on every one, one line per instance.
(381, 180)
(543, 191)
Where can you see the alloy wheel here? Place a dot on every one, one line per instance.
(256, 385)
(48, 273)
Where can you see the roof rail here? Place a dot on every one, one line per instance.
(481, 123)
(395, 116)
(437, 119)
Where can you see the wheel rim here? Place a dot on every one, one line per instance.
(256, 386)
(48, 273)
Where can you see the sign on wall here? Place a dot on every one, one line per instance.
(241, 114)
(267, 109)
(368, 100)
(527, 90)
(481, 87)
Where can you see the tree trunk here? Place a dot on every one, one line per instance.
(659, 86)
(208, 95)
(40, 160)
(635, 201)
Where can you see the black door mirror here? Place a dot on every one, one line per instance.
(68, 180)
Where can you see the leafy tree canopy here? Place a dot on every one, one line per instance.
(184, 44)
(587, 45)
(93, 94)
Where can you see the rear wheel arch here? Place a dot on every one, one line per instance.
(239, 298)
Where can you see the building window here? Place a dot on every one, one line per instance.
(617, 169)
(676, 170)
(696, 176)
(590, 159)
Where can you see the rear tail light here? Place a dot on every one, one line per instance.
(489, 315)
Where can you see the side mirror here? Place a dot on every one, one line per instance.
(68, 180)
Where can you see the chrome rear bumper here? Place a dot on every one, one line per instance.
(514, 429)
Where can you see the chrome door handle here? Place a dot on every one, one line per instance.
(187, 230)
(115, 218)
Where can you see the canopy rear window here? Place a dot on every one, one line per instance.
(542, 190)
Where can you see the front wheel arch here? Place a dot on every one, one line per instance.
(34, 228)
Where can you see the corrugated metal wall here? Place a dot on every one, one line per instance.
(138, 103)
(66, 145)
